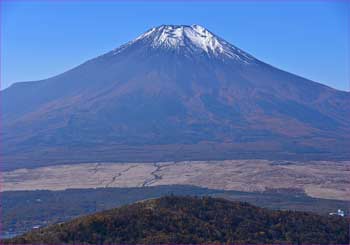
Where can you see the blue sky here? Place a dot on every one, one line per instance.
(42, 39)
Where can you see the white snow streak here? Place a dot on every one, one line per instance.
(196, 37)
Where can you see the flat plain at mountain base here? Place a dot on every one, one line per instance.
(321, 179)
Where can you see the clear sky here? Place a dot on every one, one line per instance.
(42, 39)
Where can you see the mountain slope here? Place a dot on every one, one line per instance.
(188, 220)
(175, 92)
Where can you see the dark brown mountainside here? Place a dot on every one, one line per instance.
(174, 93)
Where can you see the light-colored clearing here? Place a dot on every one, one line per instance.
(323, 179)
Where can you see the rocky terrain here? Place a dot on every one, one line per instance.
(322, 179)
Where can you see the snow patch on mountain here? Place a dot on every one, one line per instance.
(194, 39)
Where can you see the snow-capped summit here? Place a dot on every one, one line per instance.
(193, 39)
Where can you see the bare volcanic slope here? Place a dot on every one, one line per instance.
(173, 93)
(188, 220)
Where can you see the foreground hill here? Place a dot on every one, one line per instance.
(193, 220)
(173, 93)
(23, 210)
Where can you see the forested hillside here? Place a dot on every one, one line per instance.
(189, 220)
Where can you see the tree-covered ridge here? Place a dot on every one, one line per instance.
(189, 220)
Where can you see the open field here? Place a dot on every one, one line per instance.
(321, 179)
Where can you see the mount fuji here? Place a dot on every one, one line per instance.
(174, 93)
